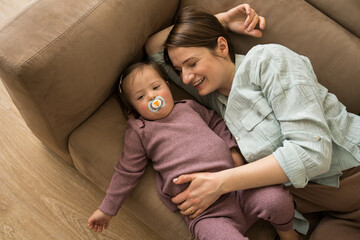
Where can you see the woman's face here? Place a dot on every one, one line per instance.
(205, 70)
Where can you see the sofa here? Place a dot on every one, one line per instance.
(60, 62)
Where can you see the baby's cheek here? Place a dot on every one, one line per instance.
(144, 107)
(166, 95)
(141, 108)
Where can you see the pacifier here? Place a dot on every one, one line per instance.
(155, 104)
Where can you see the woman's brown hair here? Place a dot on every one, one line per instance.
(196, 28)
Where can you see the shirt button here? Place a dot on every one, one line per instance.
(258, 113)
(247, 156)
(317, 138)
(237, 138)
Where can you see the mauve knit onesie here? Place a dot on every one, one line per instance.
(193, 139)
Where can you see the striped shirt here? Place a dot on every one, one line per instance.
(276, 106)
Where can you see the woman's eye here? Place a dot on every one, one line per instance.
(193, 64)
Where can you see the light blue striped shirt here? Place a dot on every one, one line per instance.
(276, 106)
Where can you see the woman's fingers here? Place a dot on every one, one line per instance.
(262, 23)
(184, 179)
(256, 20)
(253, 19)
(250, 15)
(200, 194)
(181, 197)
(197, 213)
(245, 7)
(189, 205)
(192, 212)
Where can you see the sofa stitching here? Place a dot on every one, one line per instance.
(25, 10)
(18, 15)
(78, 21)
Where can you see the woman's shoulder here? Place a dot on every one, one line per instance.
(271, 49)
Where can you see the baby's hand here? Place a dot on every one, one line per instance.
(99, 221)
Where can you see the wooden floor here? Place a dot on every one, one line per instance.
(40, 196)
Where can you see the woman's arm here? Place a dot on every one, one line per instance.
(155, 42)
(241, 19)
(210, 186)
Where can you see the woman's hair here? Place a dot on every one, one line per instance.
(196, 28)
(128, 109)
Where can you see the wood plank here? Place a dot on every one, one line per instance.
(42, 197)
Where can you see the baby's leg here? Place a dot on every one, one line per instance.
(220, 228)
(273, 204)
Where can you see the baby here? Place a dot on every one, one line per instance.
(182, 137)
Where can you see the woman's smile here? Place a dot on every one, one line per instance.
(199, 82)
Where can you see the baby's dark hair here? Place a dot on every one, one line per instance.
(128, 109)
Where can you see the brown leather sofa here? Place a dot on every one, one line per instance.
(60, 62)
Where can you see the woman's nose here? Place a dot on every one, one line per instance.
(187, 76)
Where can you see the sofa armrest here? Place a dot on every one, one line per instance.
(59, 60)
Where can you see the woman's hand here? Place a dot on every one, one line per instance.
(203, 191)
(242, 19)
(99, 221)
(206, 188)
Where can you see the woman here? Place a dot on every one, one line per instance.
(287, 126)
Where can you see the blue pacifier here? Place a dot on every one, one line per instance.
(156, 104)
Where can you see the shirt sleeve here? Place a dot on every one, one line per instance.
(289, 84)
(127, 173)
(216, 123)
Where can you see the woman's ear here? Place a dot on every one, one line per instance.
(222, 46)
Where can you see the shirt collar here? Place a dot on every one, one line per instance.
(222, 99)
(238, 60)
